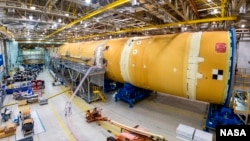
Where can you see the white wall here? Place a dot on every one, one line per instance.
(243, 54)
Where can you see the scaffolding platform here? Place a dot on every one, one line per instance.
(241, 105)
(242, 78)
(66, 69)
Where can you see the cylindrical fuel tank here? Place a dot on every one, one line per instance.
(193, 65)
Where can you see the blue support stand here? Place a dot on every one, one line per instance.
(221, 115)
(130, 94)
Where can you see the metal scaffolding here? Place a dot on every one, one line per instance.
(242, 78)
(241, 105)
(72, 73)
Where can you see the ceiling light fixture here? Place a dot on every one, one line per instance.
(88, 1)
(215, 11)
(30, 17)
(59, 20)
(184, 29)
(33, 8)
(55, 25)
(242, 25)
(134, 2)
(66, 14)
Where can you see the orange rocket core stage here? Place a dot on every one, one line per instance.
(193, 65)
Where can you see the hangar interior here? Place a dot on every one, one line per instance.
(175, 68)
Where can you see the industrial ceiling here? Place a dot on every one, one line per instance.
(59, 21)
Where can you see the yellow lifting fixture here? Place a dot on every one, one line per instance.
(87, 16)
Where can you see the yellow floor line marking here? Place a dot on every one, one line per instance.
(10, 104)
(58, 94)
(59, 120)
(115, 130)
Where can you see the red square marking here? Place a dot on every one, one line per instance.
(220, 47)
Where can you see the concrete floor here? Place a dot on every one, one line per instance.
(159, 113)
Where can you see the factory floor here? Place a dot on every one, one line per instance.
(159, 113)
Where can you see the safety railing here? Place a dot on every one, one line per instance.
(242, 78)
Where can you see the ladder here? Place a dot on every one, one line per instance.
(99, 93)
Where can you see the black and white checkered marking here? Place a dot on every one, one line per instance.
(217, 74)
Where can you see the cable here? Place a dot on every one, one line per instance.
(68, 110)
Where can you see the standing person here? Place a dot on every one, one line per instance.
(95, 112)
(20, 115)
(66, 109)
(69, 109)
